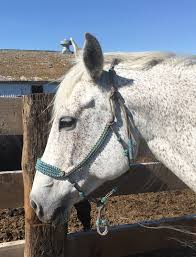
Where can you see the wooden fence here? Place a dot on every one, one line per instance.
(149, 176)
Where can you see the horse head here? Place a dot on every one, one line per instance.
(82, 151)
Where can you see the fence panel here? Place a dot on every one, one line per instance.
(11, 116)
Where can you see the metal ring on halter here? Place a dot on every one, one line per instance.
(101, 224)
(104, 232)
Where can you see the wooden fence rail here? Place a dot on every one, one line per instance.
(125, 240)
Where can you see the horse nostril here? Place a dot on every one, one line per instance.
(33, 205)
(37, 208)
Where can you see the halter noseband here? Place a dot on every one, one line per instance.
(129, 150)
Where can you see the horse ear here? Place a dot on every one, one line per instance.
(93, 56)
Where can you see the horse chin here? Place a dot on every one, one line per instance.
(60, 217)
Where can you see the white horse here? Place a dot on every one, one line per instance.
(85, 147)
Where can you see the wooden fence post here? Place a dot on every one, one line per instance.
(41, 240)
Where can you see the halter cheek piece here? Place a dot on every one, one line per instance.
(129, 151)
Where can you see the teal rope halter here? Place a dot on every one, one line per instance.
(56, 173)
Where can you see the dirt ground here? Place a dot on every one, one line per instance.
(120, 210)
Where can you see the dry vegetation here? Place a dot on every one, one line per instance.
(23, 65)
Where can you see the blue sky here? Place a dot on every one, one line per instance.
(126, 25)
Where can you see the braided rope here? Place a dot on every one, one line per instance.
(57, 173)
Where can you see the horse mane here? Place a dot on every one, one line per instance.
(130, 61)
(139, 60)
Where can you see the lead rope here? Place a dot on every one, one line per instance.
(101, 224)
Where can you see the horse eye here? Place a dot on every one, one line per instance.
(67, 123)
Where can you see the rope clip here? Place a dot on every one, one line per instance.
(101, 224)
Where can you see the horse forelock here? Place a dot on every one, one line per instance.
(67, 85)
